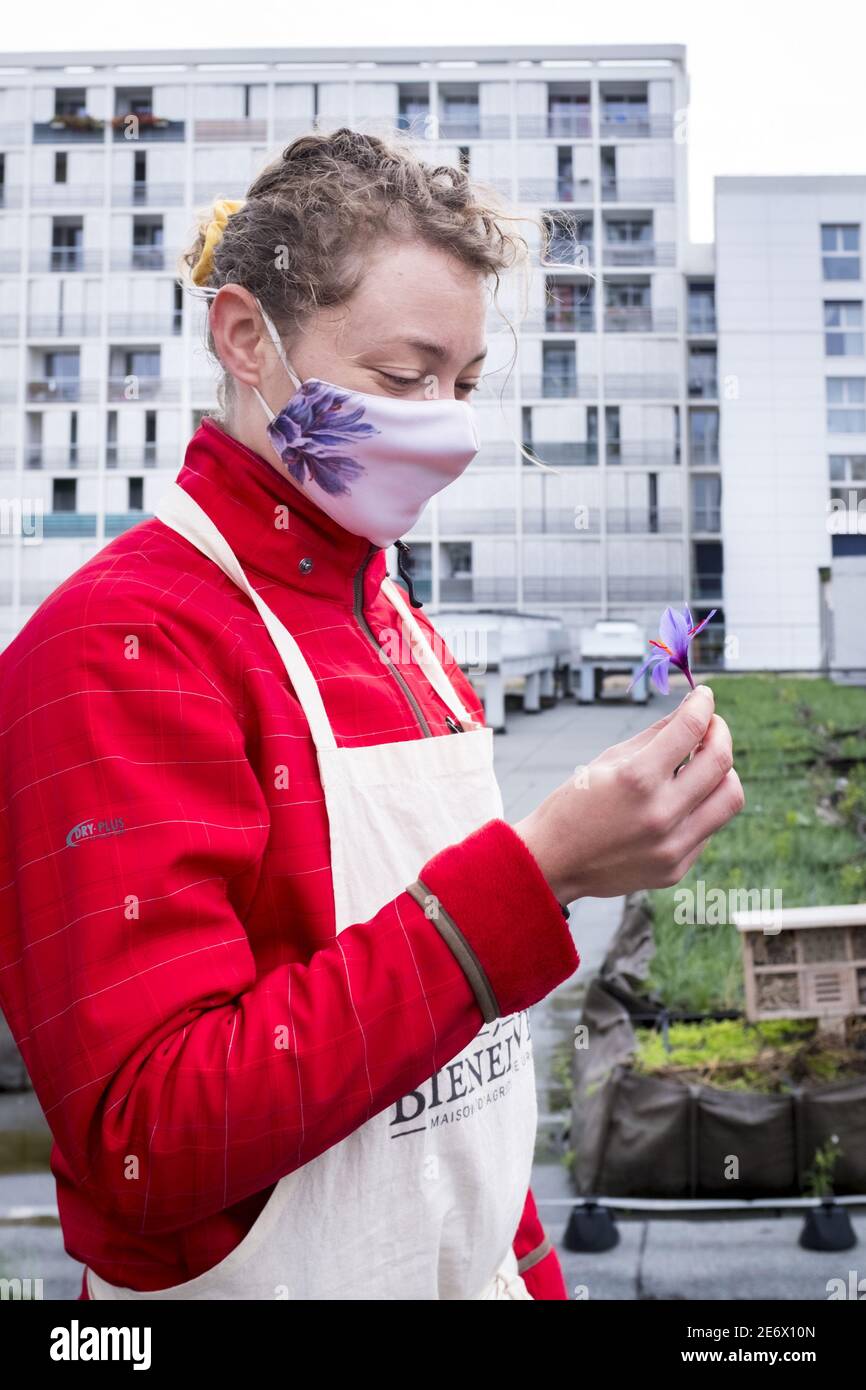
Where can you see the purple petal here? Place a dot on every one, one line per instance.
(674, 632)
(700, 627)
(650, 661)
(660, 676)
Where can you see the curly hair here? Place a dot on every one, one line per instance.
(298, 241)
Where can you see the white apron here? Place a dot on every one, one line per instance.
(424, 1199)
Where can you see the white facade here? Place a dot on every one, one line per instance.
(784, 432)
(616, 380)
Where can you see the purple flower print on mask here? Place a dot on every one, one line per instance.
(311, 432)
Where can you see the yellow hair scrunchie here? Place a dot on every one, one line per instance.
(222, 211)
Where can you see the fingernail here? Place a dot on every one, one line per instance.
(703, 690)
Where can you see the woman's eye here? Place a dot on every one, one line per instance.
(399, 380)
(468, 385)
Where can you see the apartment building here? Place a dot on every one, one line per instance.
(103, 376)
(792, 372)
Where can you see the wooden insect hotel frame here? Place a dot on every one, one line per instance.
(807, 962)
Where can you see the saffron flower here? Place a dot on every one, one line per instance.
(676, 631)
(311, 434)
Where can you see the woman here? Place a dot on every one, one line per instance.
(268, 943)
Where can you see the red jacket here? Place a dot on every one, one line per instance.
(166, 897)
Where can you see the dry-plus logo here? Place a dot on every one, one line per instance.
(94, 830)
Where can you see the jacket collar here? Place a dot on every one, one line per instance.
(274, 528)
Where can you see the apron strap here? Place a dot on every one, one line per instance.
(428, 659)
(177, 509)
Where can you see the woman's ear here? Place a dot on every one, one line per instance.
(235, 323)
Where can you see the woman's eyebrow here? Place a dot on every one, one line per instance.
(437, 350)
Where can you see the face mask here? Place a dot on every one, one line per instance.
(371, 462)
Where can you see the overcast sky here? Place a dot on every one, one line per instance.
(776, 88)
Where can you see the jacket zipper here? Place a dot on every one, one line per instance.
(383, 656)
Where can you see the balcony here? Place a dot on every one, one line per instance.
(140, 258)
(560, 453)
(65, 130)
(701, 319)
(11, 195)
(472, 126)
(68, 194)
(559, 521)
(556, 125)
(165, 325)
(643, 453)
(478, 589)
(244, 128)
(635, 588)
(148, 195)
(568, 588)
(57, 457)
(639, 124)
(704, 454)
(134, 457)
(567, 251)
(69, 524)
(143, 388)
(706, 586)
(707, 519)
(65, 259)
(637, 190)
(642, 385)
(638, 253)
(62, 325)
(147, 128)
(703, 385)
(48, 390)
(560, 386)
(553, 190)
(486, 521)
(118, 522)
(644, 521)
(7, 456)
(639, 318)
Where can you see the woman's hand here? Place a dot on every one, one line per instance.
(631, 819)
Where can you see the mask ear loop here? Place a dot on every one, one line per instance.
(281, 353)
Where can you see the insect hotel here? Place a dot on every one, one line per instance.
(805, 962)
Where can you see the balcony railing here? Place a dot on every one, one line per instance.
(132, 457)
(11, 195)
(702, 319)
(637, 190)
(140, 258)
(57, 132)
(707, 519)
(7, 456)
(639, 318)
(459, 521)
(560, 521)
(250, 128)
(68, 194)
(494, 456)
(635, 253)
(644, 521)
(649, 453)
(12, 133)
(478, 589)
(555, 190)
(650, 385)
(57, 457)
(166, 325)
(569, 588)
(148, 195)
(69, 524)
(63, 325)
(707, 585)
(556, 125)
(65, 258)
(641, 125)
(562, 453)
(150, 131)
(46, 390)
(143, 388)
(566, 251)
(560, 386)
(703, 454)
(472, 126)
(703, 386)
(118, 522)
(633, 588)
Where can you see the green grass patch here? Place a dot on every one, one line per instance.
(801, 833)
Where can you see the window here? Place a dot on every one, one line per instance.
(840, 251)
(60, 166)
(70, 101)
(559, 367)
(841, 316)
(706, 503)
(703, 438)
(846, 404)
(136, 495)
(63, 495)
(702, 309)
